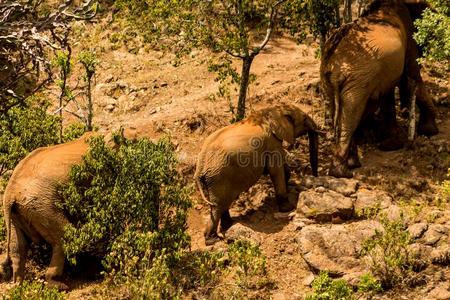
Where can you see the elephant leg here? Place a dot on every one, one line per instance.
(212, 225)
(18, 251)
(427, 120)
(353, 158)
(287, 174)
(352, 109)
(277, 175)
(55, 269)
(391, 133)
(225, 221)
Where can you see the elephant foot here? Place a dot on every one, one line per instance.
(226, 221)
(340, 171)
(391, 144)
(212, 239)
(284, 205)
(353, 162)
(5, 270)
(60, 286)
(427, 127)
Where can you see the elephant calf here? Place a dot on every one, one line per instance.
(233, 158)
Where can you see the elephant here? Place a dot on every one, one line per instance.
(361, 65)
(30, 205)
(233, 158)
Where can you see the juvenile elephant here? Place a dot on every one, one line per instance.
(30, 210)
(361, 65)
(233, 158)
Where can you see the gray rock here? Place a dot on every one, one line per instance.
(441, 255)
(335, 248)
(324, 207)
(342, 186)
(368, 199)
(239, 231)
(434, 233)
(441, 292)
(417, 230)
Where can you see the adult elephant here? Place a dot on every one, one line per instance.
(361, 65)
(30, 206)
(233, 158)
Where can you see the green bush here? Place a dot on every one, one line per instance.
(33, 291)
(127, 205)
(24, 128)
(433, 31)
(388, 254)
(325, 288)
(73, 131)
(369, 285)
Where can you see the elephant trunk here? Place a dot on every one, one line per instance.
(313, 137)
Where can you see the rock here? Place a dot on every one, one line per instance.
(308, 280)
(441, 255)
(441, 292)
(239, 231)
(342, 186)
(283, 215)
(110, 107)
(417, 230)
(335, 248)
(434, 233)
(367, 199)
(324, 207)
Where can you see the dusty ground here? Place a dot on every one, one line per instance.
(144, 90)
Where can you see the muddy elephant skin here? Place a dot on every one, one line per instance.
(233, 158)
(361, 65)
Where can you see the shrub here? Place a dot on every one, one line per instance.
(73, 131)
(369, 285)
(34, 291)
(126, 205)
(388, 254)
(24, 128)
(325, 288)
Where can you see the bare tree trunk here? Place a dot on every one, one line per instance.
(360, 7)
(245, 79)
(347, 11)
(90, 108)
(412, 87)
(338, 16)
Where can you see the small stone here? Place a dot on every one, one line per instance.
(110, 107)
(307, 281)
(282, 215)
(441, 256)
(320, 189)
(239, 231)
(434, 233)
(417, 230)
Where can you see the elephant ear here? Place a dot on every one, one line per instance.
(282, 127)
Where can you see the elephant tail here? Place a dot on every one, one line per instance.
(7, 208)
(202, 186)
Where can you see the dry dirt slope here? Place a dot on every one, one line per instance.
(145, 91)
(148, 93)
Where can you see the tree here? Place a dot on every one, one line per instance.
(433, 31)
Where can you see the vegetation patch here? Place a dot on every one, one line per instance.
(34, 291)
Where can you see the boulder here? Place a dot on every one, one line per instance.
(434, 234)
(324, 207)
(417, 230)
(369, 199)
(342, 186)
(239, 231)
(335, 248)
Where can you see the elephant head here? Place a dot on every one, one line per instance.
(287, 122)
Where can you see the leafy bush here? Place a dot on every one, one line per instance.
(433, 30)
(369, 285)
(24, 128)
(34, 291)
(388, 254)
(325, 288)
(127, 205)
(73, 131)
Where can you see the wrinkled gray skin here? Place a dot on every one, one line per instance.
(362, 64)
(233, 158)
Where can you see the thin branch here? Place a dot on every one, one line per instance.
(270, 26)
